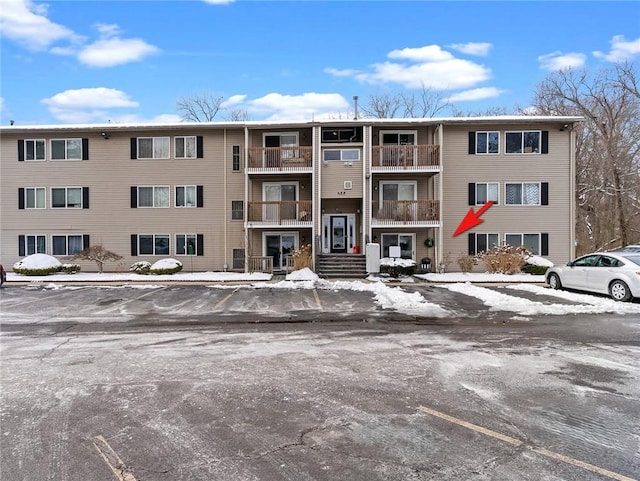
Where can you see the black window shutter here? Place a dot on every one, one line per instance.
(86, 241)
(85, 149)
(21, 246)
(134, 197)
(134, 244)
(544, 193)
(199, 147)
(545, 142)
(544, 247)
(20, 198)
(199, 196)
(199, 244)
(471, 239)
(134, 147)
(85, 197)
(21, 150)
(472, 143)
(472, 193)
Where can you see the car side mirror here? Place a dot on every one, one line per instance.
(570, 264)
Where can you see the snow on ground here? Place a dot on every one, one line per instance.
(480, 277)
(498, 301)
(132, 277)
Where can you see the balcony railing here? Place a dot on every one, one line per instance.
(286, 212)
(395, 212)
(280, 158)
(406, 157)
(260, 264)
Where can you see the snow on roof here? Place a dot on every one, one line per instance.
(301, 123)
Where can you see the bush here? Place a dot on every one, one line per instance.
(534, 269)
(466, 262)
(302, 258)
(142, 267)
(166, 266)
(37, 265)
(397, 267)
(70, 268)
(504, 259)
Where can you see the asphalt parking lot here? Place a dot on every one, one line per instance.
(201, 383)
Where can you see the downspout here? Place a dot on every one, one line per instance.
(224, 169)
(366, 182)
(572, 189)
(316, 199)
(440, 242)
(246, 200)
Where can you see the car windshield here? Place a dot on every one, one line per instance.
(635, 259)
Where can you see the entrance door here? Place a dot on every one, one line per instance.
(279, 246)
(339, 233)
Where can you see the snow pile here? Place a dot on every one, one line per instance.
(305, 274)
(397, 262)
(163, 264)
(538, 261)
(37, 261)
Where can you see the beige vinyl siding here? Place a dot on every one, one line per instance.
(334, 175)
(461, 168)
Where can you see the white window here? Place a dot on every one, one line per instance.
(153, 196)
(185, 147)
(280, 201)
(526, 142)
(35, 244)
(34, 149)
(66, 245)
(153, 244)
(66, 197)
(487, 142)
(398, 191)
(186, 196)
(186, 244)
(280, 146)
(345, 155)
(530, 241)
(486, 192)
(66, 149)
(527, 193)
(237, 210)
(406, 242)
(34, 197)
(153, 147)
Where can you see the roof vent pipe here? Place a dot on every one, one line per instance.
(355, 107)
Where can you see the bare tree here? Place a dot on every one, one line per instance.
(382, 106)
(97, 254)
(608, 150)
(201, 107)
(237, 115)
(427, 103)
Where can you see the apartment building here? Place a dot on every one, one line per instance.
(244, 195)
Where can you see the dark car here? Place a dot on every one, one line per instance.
(614, 273)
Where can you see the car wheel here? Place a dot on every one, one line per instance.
(554, 281)
(619, 291)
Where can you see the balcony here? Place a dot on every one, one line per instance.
(294, 159)
(405, 158)
(424, 213)
(286, 213)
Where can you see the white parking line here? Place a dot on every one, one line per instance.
(518, 442)
(118, 306)
(317, 297)
(219, 304)
(121, 471)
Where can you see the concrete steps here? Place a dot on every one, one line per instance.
(342, 265)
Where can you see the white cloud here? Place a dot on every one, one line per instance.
(621, 49)
(424, 67)
(233, 101)
(87, 104)
(112, 50)
(561, 61)
(473, 48)
(27, 24)
(298, 107)
(476, 94)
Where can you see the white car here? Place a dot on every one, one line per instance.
(614, 273)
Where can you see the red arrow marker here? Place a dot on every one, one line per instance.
(472, 219)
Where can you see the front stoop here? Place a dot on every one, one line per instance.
(342, 265)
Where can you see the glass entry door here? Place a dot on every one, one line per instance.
(279, 247)
(338, 233)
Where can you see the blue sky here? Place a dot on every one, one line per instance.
(131, 61)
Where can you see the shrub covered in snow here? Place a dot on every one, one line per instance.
(536, 265)
(504, 259)
(166, 266)
(142, 267)
(396, 267)
(37, 265)
(70, 268)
